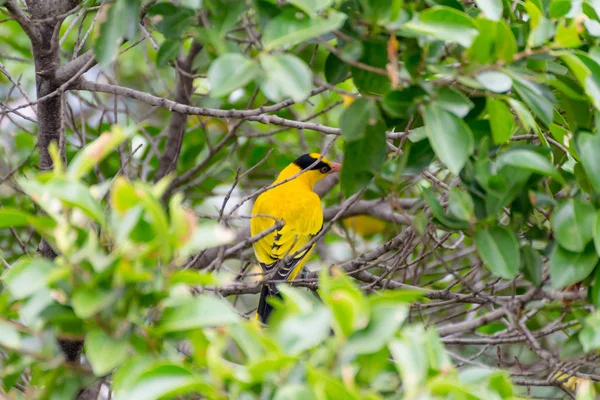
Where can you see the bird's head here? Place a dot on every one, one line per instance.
(318, 171)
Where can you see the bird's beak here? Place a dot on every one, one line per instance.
(336, 167)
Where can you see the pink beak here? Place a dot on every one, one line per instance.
(335, 167)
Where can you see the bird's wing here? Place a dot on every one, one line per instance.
(303, 219)
(268, 214)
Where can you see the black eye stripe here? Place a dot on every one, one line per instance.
(305, 161)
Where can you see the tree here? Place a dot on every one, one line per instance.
(135, 135)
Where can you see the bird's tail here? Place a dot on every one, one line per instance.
(264, 308)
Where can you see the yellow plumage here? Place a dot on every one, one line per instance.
(298, 207)
(365, 225)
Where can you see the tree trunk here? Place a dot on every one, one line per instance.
(46, 56)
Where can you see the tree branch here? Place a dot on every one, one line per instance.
(79, 65)
(178, 123)
(23, 20)
(362, 207)
(257, 114)
(378, 208)
(469, 325)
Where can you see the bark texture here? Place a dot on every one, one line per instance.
(42, 27)
(178, 123)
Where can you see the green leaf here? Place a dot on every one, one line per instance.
(498, 43)
(573, 224)
(10, 217)
(367, 82)
(107, 45)
(590, 334)
(346, 302)
(287, 76)
(592, 27)
(503, 187)
(588, 147)
(230, 72)
(594, 290)
(162, 380)
(410, 356)
(541, 33)
(495, 81)
(167, 52)
(103, 352)
(439, 360)
(326, 386)
(298, 333)
(567, 36)
(156, 217)
(531, 265)
(198, 312)
(559, 8)
(454, 101)
(294, 392)
(27, 276)
(567, 268)
(539, 99)
(294, 301)
(9, 336)
(501, 120)
(132, 17)
(506, 44)
(358, 118)
(381, 12)
(541, 27)
(173, 20)
(311, 7)
(364, 148)
(528, 160)
(222, 20)
(209, 234)
(336, 70)
(575, 64)
(449, 136)
(192, 277)
(491, 9)
(89, 301)
(77, 195)
(460, 205)
(291, 27)
(596, 232)
(587, 72)
(98, 150)
(498, 247)
(384, 322)
(445, 24)
(438, 212)
(193, 4)
(402, 103)
(526, 118)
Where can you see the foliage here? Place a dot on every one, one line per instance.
(469, 128)
(105, 288)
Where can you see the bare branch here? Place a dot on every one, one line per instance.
(79, 65)
(23, 20)
(256, 114)
(178, 123)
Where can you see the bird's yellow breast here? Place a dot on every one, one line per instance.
(298, 208)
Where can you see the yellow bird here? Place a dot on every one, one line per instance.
(298, 207)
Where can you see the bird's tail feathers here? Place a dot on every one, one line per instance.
(264, 308)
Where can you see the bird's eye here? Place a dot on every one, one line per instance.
(324, 170)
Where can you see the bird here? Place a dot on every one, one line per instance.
(293, 203)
